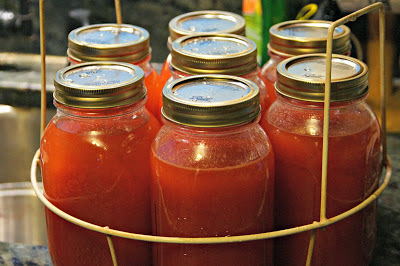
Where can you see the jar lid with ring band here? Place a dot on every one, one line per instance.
(99, 85)
(214, 54)
(211, 101)
(206, 21)
(297, 37)
(109, 42)
(303, 78)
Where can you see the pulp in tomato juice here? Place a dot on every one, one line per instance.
(153, 94)
(165, 74)
(98, 171)
(192, 202)
(353, 174)
(270, 85)
(268, 76)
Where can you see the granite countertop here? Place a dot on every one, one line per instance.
(387, 251)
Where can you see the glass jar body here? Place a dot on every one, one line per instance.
(212, 182)
(95, 166)
(254, 76)
(295, 129)
(151, 78)
(268, 74)
(165, 75)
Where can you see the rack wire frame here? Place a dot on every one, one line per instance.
(313, 227)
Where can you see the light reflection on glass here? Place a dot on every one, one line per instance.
(95, 143)
(98, 143)
(95, 133)
(200, 152)
(313, 127)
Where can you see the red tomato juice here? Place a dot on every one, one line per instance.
(269, 78)
(98, 171)
(193, 202)
(153, 93)
(165, 75)
(353, 171)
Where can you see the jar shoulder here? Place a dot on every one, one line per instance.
(102, 126)
(211, 150)
(343, 120)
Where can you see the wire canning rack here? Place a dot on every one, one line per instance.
(322, 223)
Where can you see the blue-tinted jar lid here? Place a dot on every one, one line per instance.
(207, 21)
(303, 78)
(109, 42)
(211, 101)
(227, 54)
(99, 85)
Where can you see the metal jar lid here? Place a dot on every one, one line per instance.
(99, 85)
(303, 77)
(298, 37)
(109, 42)
(211, 101)
(214, 54)
(207, 21)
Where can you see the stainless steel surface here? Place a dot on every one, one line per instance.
(20, 138)
(20, 84)
(22, 218)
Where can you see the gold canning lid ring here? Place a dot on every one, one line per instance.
(211, 101)
(99, 85)
(227, 54)
(109, 42)
(303, 78)
(204, 22)
(298, 37)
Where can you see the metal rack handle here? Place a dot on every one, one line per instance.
(328, 77)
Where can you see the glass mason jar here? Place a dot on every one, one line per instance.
(294, 123)
(117, 42)
(200, 22)
(225, 54)
(298, 37)
(95, 163)
(213, 172)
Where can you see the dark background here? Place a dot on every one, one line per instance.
(21, 33)
(153, 15)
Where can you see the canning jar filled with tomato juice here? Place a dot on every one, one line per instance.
(299, 37)
(200, 22)
(117, 42)
(226, 54)
(212, 172)
(294, 124)
(95, 163)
